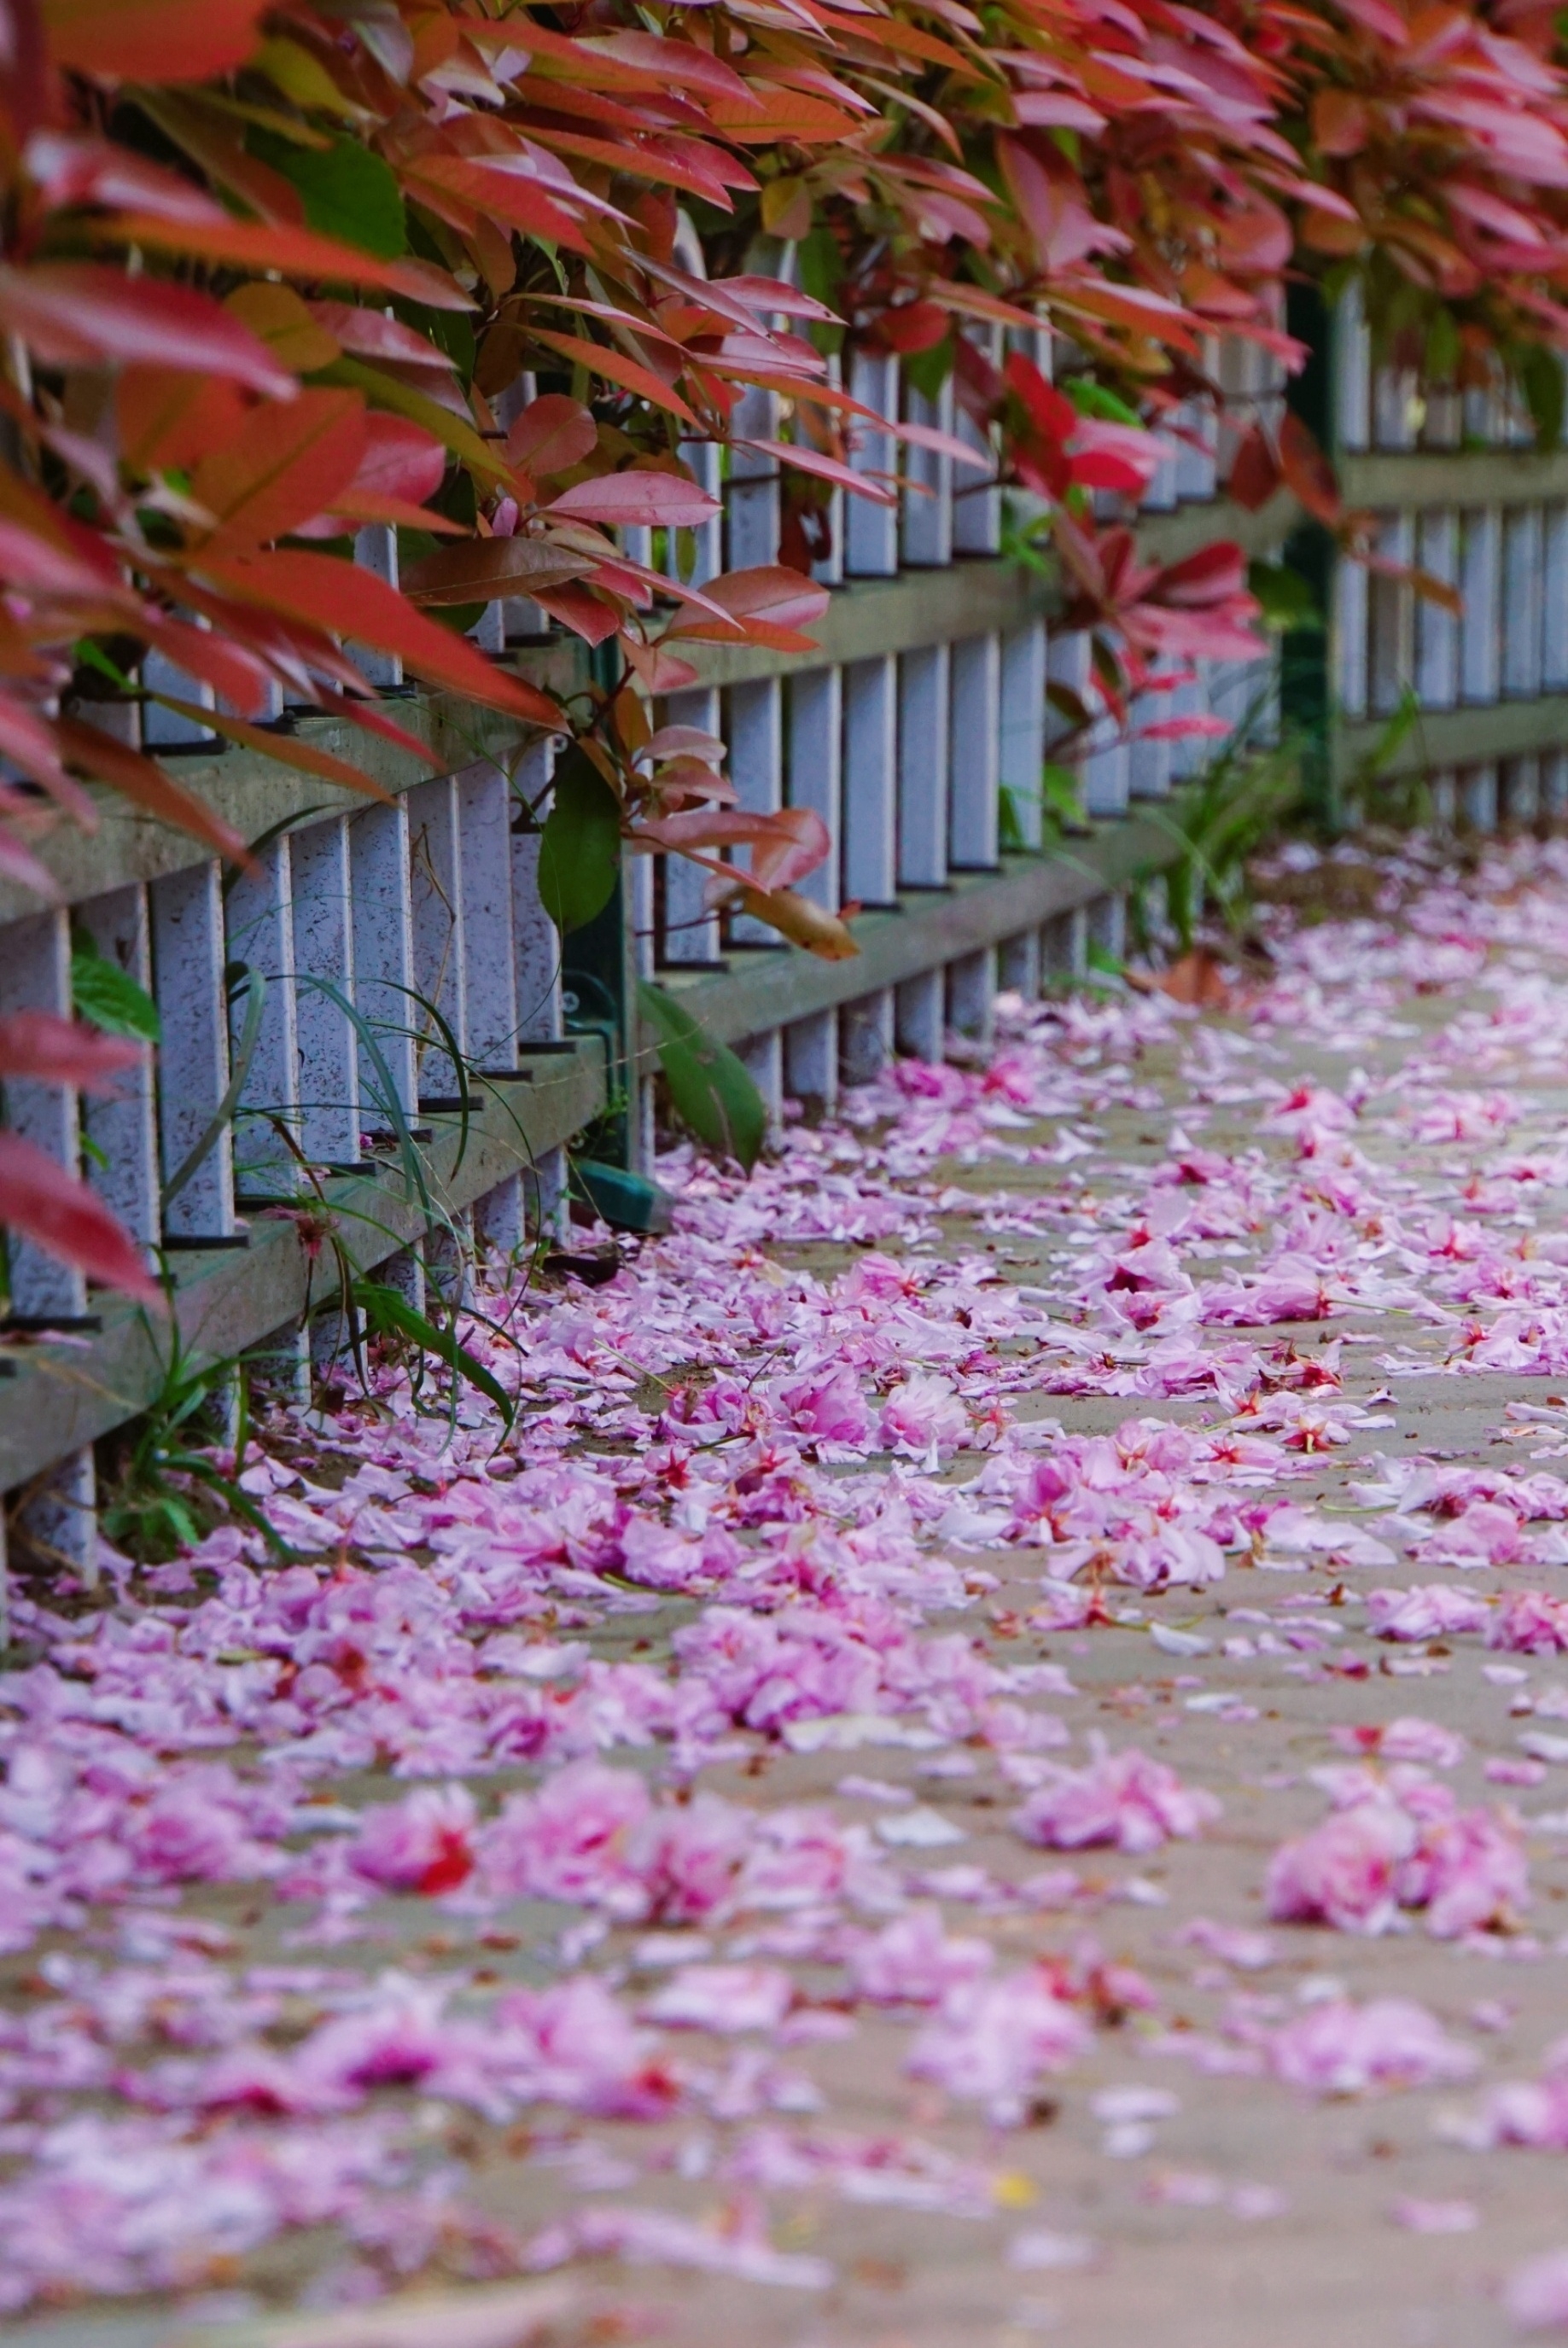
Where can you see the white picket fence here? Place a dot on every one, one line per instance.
(1460, 493)
(296, 994)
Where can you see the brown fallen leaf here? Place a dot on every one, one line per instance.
(1199, 979)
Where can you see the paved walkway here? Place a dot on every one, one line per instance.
(989, 1765)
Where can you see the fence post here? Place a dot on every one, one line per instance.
(816, 780)
(125, 1127)
(323, 949)
(536, 943)
(36, 975)
(187, 956)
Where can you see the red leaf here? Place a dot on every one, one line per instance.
(1308, 473)
(48, 1205)
(347, 600)
(552, 435)
(282, 467)
(145, 784)
(584, 613)
(807, 460)
(783, 598)
(297, 252)
(55, 1051)
(400, 460)
(74, 313)
(1255, 472)
(656, 500)
(616, 368)
(152, 40)
(914, 326)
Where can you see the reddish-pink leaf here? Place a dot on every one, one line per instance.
(152, 40)
(45, 1204)
(55, 1051)
(297, 252)
(76, 314)
(400, 460)
(552, 435)
(807, 460)
(655, 501)
(280, 469)
(348, 600)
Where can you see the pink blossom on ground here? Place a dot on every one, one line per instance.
(424, 1843)
(1124, 1799)
(914, 1961)
(1430, 1611)
(722, 1998)
(1536, 2294)
(1338, 2048)
(922, 1413)
(992, 2040)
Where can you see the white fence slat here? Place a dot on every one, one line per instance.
(704, 458)
(1391, 621)
(1348, 638)
(763, 1056)
(36, 975)
(1436, 668)
(1521, 618)
(971, 994)
(691, 931)
(815, 770)
(751, 493)
(375, 550)
(1064, 945)
(1149, 760)
(1519, 789)
(437, 894)
(489, 960)
(1477, 795)
(1352, 365)
(974, 770)
(827, 570)
(259, 930)
(927, 531)
(323, 950)
(811, 1062)
(871, 531)
(536, 940)
(923, 744)
(755, 738)
(188, 952)
(1480, 562)
(125, 1127)
(1554, 599)
(870, 781)
(919, 1009)
(383, 956)
(1018, 965)
(866, 1036)
(1023, 726)
(166, 729)
(976, 497)
(1554, 783)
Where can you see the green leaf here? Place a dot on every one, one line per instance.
(1540, 378)
(579, 853)
(927, 371)
(107, 996)
(1286, 597)
(349, 191)
(1091, 398)
(387, 1309)
(709, 1088)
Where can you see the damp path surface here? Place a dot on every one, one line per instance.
(687, 1850)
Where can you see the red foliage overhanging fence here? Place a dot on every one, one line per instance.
(270, 274)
